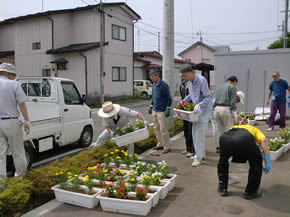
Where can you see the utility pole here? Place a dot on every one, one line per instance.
(42, 5)
(168, 48)
(158, 42)
(139, 40)
(102, 40)
(200, 40)
(285, 38)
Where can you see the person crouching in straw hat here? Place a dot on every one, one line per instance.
(115, 116)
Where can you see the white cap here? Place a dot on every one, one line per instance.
(242, 96)
(7, 67)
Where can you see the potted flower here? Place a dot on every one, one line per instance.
(276, 147)
(163, 168)
(146, 183)
(163, 185)
(184, 111)
(243, 121)
(118, 199)
(151, 168)
(139, 168)
(132, 181)
(285, 135)
(130, 134)
(251, 120)
(70, 190)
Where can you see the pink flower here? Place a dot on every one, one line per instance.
(85, 172)
(98, 164)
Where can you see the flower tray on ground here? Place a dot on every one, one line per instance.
(130, 138)
(186, 115)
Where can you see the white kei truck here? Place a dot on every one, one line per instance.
(58, 115)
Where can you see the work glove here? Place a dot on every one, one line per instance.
(196, 108)
(267, 159)
(150, 109)
(27, 127)
(167, 112)
(235, 115)
(146, 124)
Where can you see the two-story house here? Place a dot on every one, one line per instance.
(200, 52)
(66, 43)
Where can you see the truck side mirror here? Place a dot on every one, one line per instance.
(83, 99)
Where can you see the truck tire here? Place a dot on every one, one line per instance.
(145, 95)
(86, 137)
(29, 155)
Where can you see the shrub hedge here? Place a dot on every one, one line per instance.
(21, 195)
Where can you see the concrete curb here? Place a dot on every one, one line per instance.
(42, 210)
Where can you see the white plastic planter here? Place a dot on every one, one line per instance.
(79, 199)
(276, 154)
(171, 180)
(130, 138)
(155, 195)
(286, 147)
(251, 122)
(186, 115)
(134, 207)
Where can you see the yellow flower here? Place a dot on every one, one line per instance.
(69, 181)
(122, 151)
(121, 171)
(80, 178)
(118, 157)
(130, 155)
(69, 173)
(70, 177)
(86, 179)
(136, 155)
(116, 150)
(94, 167)
(75, 175)
(57, 174)
(86, 176)
(112, 152)
(125, 154)
(130, 174)
(105, 155)
(132, 170)
(132, 179)
(143, 176)
(61, 173)
(105, 171)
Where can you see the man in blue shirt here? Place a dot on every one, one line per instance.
(161, 102)
(199, 95)
(278, 89)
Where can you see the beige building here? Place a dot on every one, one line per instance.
(65, 43)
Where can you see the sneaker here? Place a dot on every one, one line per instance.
(217, 150)
(270, 129)
(167, 150)
(248, 196)
(189, 154)
(203, 158)
(158, 148)
(223, 192)
(184, 152)
(195, 163)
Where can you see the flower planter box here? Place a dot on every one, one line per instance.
(79, 199)
(276, 154)
(134, 207)
(130, 138)
(171, 180)
(163, 188)
(286, 147)
(186, 115)
(155, 195)
(251, 122)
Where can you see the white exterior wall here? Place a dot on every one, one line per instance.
(7, 39)
(249, 67)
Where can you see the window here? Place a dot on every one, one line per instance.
(119, 74)
(149, 84)
(37, 89)
(46, 73)
(70, 94)
(36, 46)
(139, 83)
(188, 60)
(206, 60)
(118, 32)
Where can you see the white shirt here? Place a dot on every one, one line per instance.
(124, 118)
(11, 94)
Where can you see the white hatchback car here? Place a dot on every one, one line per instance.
(143, 88)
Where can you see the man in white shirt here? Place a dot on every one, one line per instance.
(11, 136)
(115, 116)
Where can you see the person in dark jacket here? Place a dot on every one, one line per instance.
(187, 126)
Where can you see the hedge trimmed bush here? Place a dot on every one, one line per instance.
(36, 184)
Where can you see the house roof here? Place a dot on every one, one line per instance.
(140, 60)
(157, 55)
(152, 66)
(75, 48)
(123, 5)
(59, 61)
(6, 53)
(212, 48)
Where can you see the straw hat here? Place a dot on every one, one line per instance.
(109, 110)
(9, 68)
(241, 95)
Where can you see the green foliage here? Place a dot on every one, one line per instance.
(285, 135)
(129, 129)
(279, 43)
(275, 143)
(140, 124)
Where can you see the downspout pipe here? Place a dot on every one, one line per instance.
(52, 32)
(86, 72)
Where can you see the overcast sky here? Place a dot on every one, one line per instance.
(243, 24)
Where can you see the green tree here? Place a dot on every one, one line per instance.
(279, 43)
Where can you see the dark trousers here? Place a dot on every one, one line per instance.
(281, 107)
(241, 145)
(187, 128)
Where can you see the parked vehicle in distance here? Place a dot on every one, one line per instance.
(143, 88)
(58, 115)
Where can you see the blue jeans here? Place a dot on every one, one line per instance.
(199, 129)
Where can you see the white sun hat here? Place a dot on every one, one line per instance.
(109, 110)
(242, 96)
(7, 67)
